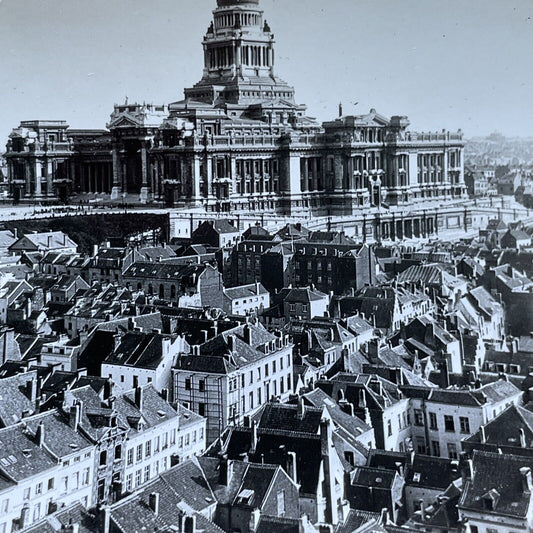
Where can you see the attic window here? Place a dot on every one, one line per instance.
(161, 414)
(245, 496)
(26, 453)
(416, 477)
(4, 461)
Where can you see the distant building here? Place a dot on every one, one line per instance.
(52, 241)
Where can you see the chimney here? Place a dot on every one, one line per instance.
(139, 398)
(301, 408)
(482, 436)
(522, 438)
(373, 350)
(108, 389)
(40, 434)
(399, 468)
(325, 435)
(444, 375)
(223, 470)
(384, 516)
(291, 466)
(253, 437)
(257, 288)
(74, 416)
(527, 480)
(422, 510)
(230, 340)
(362, 398)
(247, 332)
(153, 502)
(31, 389)
(164, 394)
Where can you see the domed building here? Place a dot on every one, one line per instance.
(239, 142)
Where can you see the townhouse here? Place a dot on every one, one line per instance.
(234, 373)
(441, 418)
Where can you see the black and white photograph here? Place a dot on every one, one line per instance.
(266, 266)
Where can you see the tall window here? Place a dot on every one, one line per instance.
(465, 424)
(452, 450)
(433, 421)
(281, 502)
(448, 423)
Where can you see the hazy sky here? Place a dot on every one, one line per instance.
(445, 63)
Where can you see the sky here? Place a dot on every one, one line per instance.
(444, 63)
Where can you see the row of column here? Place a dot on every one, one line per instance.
(95, 177)
(35, 171)
(404, 228)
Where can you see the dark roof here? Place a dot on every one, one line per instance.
(504, 430)
(430, 472)
(498, 480)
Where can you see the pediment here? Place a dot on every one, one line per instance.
(124, 121)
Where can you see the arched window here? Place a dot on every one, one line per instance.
(161, 291)
(173, 291)
(150, 289)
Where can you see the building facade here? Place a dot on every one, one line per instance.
(239, 141)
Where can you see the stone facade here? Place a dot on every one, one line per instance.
(239, 142)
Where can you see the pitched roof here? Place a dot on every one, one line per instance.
(496, 486)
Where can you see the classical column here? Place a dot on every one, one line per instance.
(315, 173)
(144, 173)
(50, 177)
(305, 181)
(116, 189)
(195, 180)
(233, 174)
(209, 177)
(37, 175)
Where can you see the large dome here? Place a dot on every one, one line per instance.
(227, 3)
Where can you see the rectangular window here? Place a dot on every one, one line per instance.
(251, 377)
(201, 385)
(5, 506)
(436, 448)
(281, 502)
(389, 428)
(148, 448)
(138, 477)
(465, 424)
(51, 483)
(201, 409)
(86, 476)
(433, 421)
(452, 450)
(419, 417)
(139, 456)
(129, 482)
(448, 423)
(129, 459)
(39, 488)
(146, 473)
(266, 370)
(187, 383)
